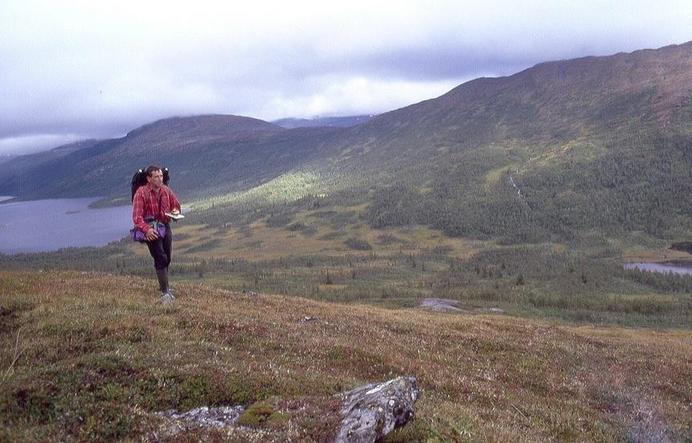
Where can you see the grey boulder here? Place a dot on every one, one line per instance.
(372, 411)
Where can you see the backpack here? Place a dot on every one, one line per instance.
(140, 179)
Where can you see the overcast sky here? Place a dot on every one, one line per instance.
(78, 69)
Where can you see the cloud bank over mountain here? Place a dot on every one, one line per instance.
(83, 69)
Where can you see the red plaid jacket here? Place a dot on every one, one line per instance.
(147, 204)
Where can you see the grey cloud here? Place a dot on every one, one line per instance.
(78, 71)
(34, 143)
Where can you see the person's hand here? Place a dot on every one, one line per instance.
(175, 211)
(152, 234)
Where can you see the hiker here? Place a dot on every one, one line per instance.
(150, 204)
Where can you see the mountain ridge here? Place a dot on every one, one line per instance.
(342, 122)
(578, 137)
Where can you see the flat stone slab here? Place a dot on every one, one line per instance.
(447, 305)
(441, 304)
(206, 416)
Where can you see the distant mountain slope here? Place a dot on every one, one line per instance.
(593, 143)
(203, 152)
(550, 103)
(4, 158)
(332, 122)
(19, 169)
(25, 162)
(175, 133)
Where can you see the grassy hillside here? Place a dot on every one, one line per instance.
(16, 172)
(329, 254)
(204, 153)
(550, 153)
(93, 356)
(595, 143)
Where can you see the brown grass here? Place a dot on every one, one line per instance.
(96, 355)
(653, 255)
(261, 242)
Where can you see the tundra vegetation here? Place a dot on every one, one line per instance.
(89, 356)
(522, 194)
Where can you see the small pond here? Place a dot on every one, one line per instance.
(663, 268)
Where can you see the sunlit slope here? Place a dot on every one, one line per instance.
(205, 154)
(598, 142)
(562, 148)
(91, 356)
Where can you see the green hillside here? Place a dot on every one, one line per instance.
(515, 199)
(599, 142)
(552, 152)
(206, 154)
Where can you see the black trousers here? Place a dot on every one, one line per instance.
(160, 249)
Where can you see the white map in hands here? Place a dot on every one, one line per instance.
(177, 216)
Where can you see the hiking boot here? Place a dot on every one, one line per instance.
(171, 293)
(167, 298)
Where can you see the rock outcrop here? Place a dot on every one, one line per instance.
(205, 416)
(364, 414)
(372, 411)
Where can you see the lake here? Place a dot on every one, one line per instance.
(663, 268)
(48, 225)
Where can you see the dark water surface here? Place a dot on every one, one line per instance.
(48, 225)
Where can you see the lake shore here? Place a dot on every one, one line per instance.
(672, 267)
(52, 224)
